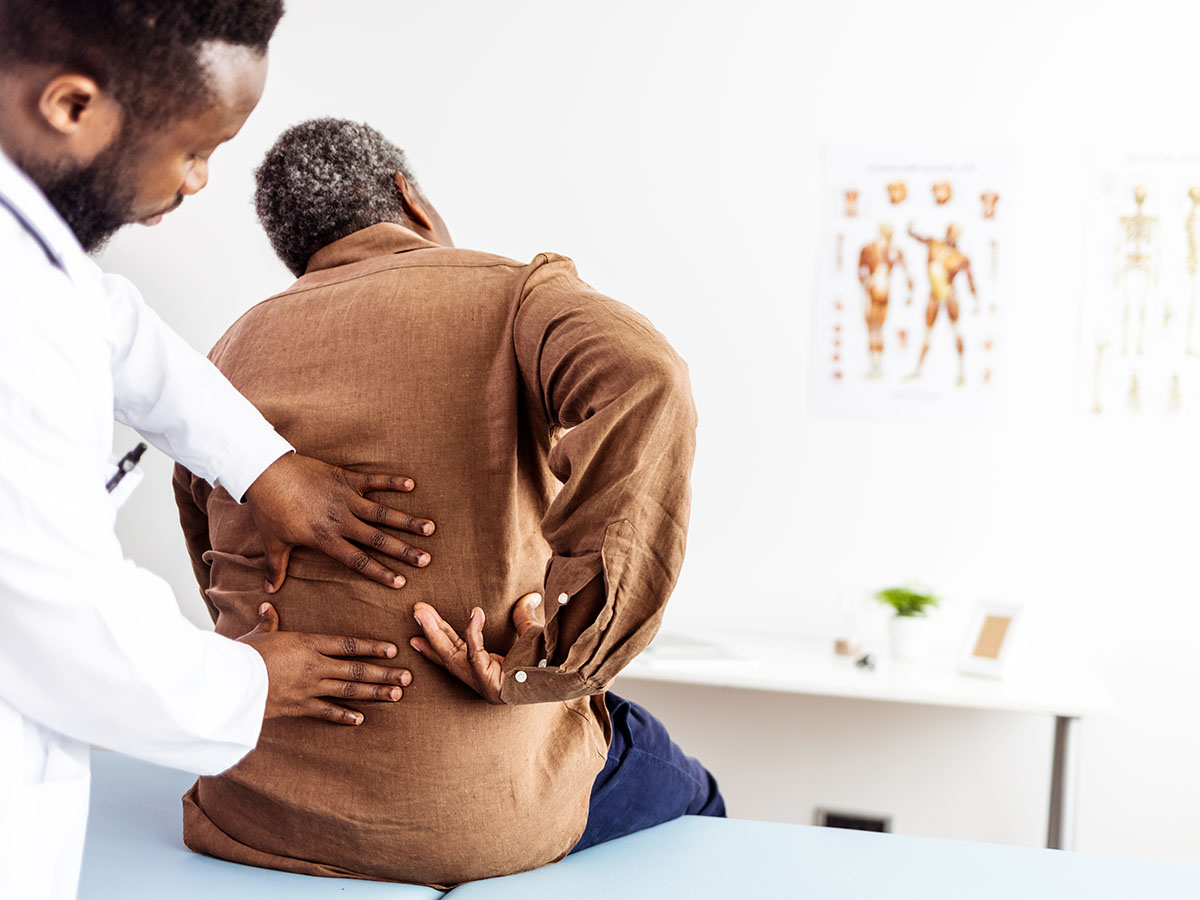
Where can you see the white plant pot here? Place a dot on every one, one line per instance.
(911, 637)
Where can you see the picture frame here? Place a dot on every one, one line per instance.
(988, 647)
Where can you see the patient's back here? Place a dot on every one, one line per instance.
(398, 357)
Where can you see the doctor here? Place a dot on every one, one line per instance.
(109, 112)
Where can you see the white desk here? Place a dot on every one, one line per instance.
(795, 666)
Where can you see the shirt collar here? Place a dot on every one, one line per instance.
(33, 211)
(377, 240)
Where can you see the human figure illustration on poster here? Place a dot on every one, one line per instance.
(931, 220)
(945, 263)
(875, 264)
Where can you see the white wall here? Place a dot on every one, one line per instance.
(673, 149)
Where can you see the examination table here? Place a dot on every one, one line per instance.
(134, 852)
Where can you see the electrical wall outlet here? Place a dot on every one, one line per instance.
(834, 818)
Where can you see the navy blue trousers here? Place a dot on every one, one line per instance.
(647, 779)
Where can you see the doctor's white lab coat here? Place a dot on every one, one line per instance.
(94, 650)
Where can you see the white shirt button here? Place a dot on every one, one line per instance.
(520, 676)
(542, 664)
(562, 599)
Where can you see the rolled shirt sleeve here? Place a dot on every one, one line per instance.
(180, 402)
(619, 403)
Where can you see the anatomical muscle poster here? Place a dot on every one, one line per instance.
(912, 283)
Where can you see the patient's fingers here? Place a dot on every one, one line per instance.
(441, 637)
(354, 690)
(385, 543)
(487, 668)
(341, 645)
(527, 613)
(479, 657)
(444, 642)
(378, 514)
(422, 646)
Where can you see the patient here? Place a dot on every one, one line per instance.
(551, 433)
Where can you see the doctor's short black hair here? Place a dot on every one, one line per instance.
(325, 179)
(145, 52)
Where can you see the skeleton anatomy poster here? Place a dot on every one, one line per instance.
(1141, 337)
(912, 283)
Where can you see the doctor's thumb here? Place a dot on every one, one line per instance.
(276, 562)
(268, 619)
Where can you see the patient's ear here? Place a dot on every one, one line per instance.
(414, 204)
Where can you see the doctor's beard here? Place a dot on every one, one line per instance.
(96, 200)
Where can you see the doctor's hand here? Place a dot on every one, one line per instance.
(302, 671)
(467, 660)
(302, 501)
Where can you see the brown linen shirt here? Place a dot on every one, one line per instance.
(490, 382)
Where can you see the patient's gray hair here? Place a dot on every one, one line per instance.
(325, 179)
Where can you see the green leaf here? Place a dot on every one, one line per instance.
(906, 601)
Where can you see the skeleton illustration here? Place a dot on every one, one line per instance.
(1138, 262)
(1193, 261)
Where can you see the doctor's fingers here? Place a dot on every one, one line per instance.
(328, 712)
(342, 645)
(356, 690)
(368, 536)
(362, 673)
(378, 514)
(364, 482)
(352, 557)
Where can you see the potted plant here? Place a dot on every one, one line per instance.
(909, 628)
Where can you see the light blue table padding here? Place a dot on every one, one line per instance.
(135, 851)
(712, 859)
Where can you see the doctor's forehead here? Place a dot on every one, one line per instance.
(234, 77)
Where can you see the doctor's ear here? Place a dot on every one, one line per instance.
(414, 203)
(83, 118)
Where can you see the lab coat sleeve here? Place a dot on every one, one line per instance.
(91, 646)
(180, 402)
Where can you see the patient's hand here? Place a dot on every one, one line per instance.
(467, 660)
(299, 500)
(302, 671)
